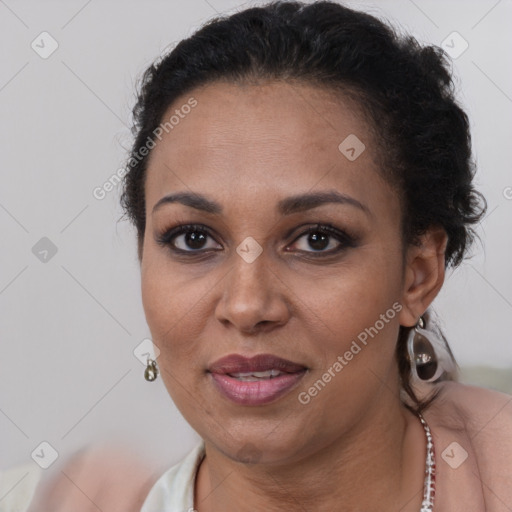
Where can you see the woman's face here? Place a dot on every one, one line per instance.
(248, 279)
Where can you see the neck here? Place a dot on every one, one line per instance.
(378, 466)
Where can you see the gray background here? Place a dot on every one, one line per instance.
(69, 326)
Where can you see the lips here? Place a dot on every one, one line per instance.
(236, 363)
(257, 380)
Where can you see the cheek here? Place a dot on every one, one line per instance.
(356, 319)
(176, 309)
(364, 336)
(351, 301)
(162, 297)
(356, 362)
(158, 303)
(169, 311)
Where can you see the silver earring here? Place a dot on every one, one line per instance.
(428, 354)
(151, 371)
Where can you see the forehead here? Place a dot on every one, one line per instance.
(274, 139)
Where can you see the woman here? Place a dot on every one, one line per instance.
(311, 181)
(300, 181)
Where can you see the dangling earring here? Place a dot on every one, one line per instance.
(428, 354)
(151, 371)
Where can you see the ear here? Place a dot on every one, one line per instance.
(424, 274)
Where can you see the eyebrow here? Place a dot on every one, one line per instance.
(287, 206)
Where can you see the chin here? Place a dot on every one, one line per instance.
(260, 447)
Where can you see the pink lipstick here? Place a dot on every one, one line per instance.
(257, 380)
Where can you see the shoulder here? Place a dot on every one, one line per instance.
(108, 474)
(112, 477)
(483, 413)
(174, 490)
(472, 430)
(18, 485)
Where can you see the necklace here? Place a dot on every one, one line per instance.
(429, 487)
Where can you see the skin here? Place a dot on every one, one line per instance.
(247, 147)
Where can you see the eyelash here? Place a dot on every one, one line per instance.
(346, 240)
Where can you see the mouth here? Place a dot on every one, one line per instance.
(257, 380)
(256, 376)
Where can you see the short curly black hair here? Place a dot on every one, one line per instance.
(404, 89)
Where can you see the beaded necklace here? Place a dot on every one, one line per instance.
(429, 488)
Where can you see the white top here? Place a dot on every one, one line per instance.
(174, 490)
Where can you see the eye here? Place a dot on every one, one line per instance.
(321, 236)
(193, 238)
(186, 238)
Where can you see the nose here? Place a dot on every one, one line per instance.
(253, 297)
